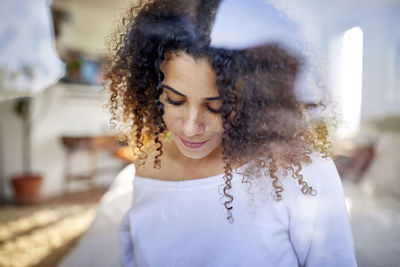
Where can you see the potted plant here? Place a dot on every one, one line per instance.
(27, 185)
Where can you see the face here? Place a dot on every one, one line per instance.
(191, 101)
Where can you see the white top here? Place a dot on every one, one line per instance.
(183, 223)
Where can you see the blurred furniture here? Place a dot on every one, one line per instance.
(90, 144)
(353, 159)
(383, 175)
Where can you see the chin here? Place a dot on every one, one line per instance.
(197, 153)
(194, 154)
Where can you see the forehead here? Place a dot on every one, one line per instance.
(192, 77)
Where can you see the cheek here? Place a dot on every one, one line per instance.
(170, 117)
(216, 125)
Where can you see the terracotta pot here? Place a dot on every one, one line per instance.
(27, 188)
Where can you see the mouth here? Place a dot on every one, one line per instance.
(192, 145)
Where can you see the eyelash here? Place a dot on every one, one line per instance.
(178, 103)
(175, 103)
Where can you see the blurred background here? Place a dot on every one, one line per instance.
(65, 179)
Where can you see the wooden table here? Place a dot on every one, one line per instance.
(90, 144)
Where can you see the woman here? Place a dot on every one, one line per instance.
(218, 132)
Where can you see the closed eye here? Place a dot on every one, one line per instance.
(172, 102)
(214, 106)
(212, 110)
(178, 103)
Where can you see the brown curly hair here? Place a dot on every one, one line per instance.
(265, 124)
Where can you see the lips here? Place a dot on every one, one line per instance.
(192, 145)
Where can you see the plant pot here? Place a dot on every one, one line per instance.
(27, 188)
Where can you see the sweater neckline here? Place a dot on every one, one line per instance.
(204, 181)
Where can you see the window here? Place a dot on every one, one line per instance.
(350, 84)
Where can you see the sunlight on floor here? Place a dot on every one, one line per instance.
(29, 240)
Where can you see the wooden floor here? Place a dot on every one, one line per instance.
(42, 234)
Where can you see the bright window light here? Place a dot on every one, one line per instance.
(351, 73)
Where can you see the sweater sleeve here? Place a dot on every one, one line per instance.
(126, 245)
(319, 226)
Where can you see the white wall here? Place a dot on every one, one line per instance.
(90, 21)
(10, 144)
(381, 36)
(325, 21)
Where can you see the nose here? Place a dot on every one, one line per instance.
(193, 123)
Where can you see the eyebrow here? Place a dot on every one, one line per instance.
(179, 93)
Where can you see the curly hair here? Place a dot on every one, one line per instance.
(264, 121)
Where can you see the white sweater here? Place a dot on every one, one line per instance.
(183, 223)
